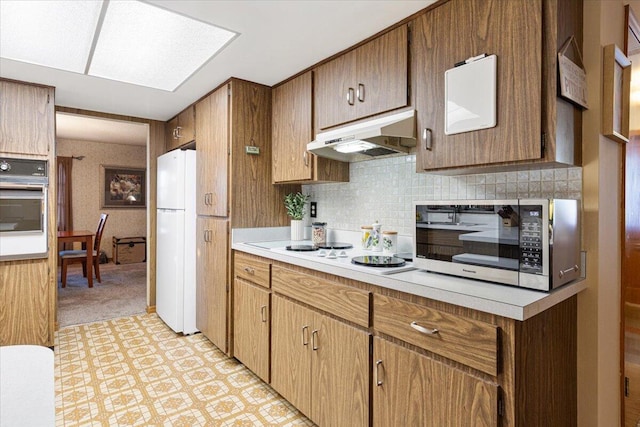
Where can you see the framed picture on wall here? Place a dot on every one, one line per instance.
(616, 88)
(123, 187)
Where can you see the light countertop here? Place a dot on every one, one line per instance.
(507, 301)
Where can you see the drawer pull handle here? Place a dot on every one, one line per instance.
(305, 336)
(314, 340)
(263, 313)
(249, 270)
(378, 376)
(424, 330)
(305, 157)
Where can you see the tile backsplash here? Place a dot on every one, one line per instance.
(384, 190)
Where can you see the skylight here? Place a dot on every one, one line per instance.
(133, 42)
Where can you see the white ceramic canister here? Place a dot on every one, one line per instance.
(389, 243)
(366, 237)
(376, 237)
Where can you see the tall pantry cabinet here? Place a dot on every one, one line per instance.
(28, 287)
(234, 190)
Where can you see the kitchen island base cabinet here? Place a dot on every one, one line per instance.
(251, 327)
(411, 389)
(320, 365)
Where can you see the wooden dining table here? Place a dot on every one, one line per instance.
(86, 237)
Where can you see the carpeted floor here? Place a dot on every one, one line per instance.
(135, 371)
(123, 292)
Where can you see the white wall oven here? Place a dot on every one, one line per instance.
(23, 209)
(531, 243)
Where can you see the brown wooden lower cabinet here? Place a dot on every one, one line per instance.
(411, 389)
(320, 365)
(25, 303)
(251, 327)
(392, 369)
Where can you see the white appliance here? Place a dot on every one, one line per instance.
(176, 240)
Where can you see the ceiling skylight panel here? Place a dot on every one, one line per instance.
(149, 46)
(55, 34)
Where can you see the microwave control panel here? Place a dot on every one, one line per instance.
(531, 239)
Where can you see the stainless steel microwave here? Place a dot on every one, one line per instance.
(530, 243)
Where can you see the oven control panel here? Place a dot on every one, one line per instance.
(531, 239)
(23, 170)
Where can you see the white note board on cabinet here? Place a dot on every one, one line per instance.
(470, 96)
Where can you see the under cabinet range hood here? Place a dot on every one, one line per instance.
(389, 135)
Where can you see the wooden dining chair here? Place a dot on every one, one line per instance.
(80, 256)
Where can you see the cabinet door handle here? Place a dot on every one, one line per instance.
(305, 157)
(175, 133)
(305, 336)
(350, 99)
(178, 134)
(427, 136)
(424, 330)
(378, 376)
(263, 313)
(206, 235)
(360, 92)
(249, 270)
(568, 270)
(314, 340)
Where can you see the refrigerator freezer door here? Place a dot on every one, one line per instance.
(171, 180)
(170, 268)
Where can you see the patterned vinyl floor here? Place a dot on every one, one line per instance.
(135, 371)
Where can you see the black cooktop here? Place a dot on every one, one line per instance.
(378, 261)
(301, 248)
(334, 245)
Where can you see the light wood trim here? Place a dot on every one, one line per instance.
(151, 309)
(419, 391)
(340, 374)
(252, 270)
(342, 301)
(25, 303)
(251, 332)
(290, 359)
(464, 340)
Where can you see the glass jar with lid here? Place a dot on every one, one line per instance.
(319, 233)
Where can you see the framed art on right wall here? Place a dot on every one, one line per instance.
(615, 94)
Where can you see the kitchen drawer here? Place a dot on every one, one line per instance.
(252, 270)
(471, 342)
(343, 301)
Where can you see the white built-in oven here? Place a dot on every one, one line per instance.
(23, 209)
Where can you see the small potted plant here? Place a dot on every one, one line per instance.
(295, 204)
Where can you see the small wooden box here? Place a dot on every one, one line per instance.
(128, 250)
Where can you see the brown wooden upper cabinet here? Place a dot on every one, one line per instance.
(213, 154)
(181, 129)
(292, 127)
(460, 29)
(27, 125)
(368, 80)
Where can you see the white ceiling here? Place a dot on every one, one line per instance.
(277, 39)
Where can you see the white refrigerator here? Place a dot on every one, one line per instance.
(176, 240)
